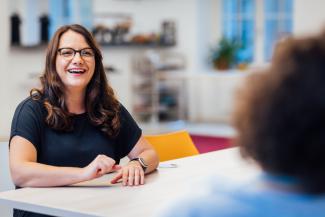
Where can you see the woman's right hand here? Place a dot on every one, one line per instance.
(99, 167)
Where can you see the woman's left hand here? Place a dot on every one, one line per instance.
(131, 174)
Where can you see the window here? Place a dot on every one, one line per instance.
(278, 23)
(64, 12)
(257, 25)
(238, 25)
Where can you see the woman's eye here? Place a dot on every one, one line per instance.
(87, 53)
(67, 53)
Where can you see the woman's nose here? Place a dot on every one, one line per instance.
(77, 58)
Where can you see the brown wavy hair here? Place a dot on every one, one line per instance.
(101, 104)
(280, 113)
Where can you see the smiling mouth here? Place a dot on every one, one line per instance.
(76, 71)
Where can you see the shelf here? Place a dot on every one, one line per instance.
(137, 45)
(41, 47)
(124, 45)
(164, 100)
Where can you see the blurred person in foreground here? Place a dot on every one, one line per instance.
(280, 119)
(73, 129)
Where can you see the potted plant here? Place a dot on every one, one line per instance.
(223, 56)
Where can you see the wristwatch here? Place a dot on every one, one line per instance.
(142, 163)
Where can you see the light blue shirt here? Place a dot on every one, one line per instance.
(252, 199)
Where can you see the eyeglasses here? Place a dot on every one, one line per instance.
(69, 53)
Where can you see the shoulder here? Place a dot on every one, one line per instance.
(253, 198)
(29, 102)
(122, 110)
(28, 120)
(207, 205)
(30, 106)
(124, 115)
(214, 195)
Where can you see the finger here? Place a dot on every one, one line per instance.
(125, 176)
(116, 167)
(116, 178)
(101, 168)
(131, 176)
(136, 177)
(141, 177)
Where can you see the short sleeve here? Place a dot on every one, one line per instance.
(27, 122)
(129, 133)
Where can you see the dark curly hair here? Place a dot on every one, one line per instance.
(101, 105)
(280, 113)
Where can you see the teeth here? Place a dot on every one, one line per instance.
(76, 71)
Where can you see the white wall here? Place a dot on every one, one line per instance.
(4, 73)
(5, 183)
(309, 16)
(213, 95)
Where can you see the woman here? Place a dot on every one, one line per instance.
(279, 118)
(73, 129)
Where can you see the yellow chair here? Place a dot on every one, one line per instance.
(173, 145)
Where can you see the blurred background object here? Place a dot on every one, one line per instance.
(15, 29)
(158, 86)
(45, 24)
(223, 55)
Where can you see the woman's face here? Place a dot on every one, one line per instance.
(74, 68)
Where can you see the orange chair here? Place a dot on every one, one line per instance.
(173, 145)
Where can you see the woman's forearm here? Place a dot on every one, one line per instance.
(151, 159)
(32, 174)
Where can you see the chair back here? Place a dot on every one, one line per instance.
(173, 145)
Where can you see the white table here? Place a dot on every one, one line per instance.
(98, 198)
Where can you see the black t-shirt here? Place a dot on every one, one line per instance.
(71, 149)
